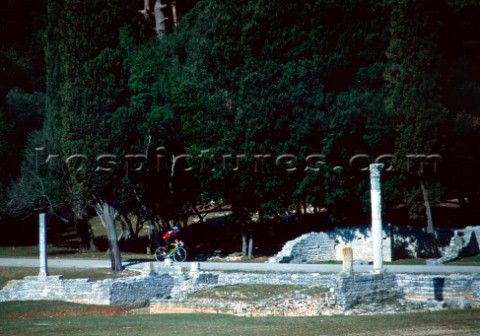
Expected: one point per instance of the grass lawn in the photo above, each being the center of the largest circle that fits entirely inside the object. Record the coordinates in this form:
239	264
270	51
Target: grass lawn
14	273
249	293
468	261
65	253
56	318
406	262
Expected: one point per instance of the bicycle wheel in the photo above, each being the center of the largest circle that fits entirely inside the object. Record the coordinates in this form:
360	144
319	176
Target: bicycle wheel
160	253
180	254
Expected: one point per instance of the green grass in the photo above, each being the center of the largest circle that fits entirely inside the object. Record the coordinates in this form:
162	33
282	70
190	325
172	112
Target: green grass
406	262
468	261
258	292
45	318
65	253
322	262
16	273
18	251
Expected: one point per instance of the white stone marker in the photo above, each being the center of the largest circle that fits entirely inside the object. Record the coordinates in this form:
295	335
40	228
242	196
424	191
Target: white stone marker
148	268
195	267
347	260
42	241
376	201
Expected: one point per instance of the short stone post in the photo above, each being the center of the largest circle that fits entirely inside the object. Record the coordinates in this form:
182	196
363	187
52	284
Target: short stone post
168	261
195	266
376	202
148	268
347	260
42	242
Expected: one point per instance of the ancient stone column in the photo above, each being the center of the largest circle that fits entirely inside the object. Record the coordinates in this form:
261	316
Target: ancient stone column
376	202
347	260
42	242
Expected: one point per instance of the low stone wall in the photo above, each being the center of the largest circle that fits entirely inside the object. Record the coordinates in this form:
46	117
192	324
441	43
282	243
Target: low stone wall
56	288
439	287
129	291
288	305
353	289
167	289
346	289
348	293
297	279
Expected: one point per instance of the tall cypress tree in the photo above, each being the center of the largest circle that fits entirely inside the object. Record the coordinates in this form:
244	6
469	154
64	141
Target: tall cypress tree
87	101
415	94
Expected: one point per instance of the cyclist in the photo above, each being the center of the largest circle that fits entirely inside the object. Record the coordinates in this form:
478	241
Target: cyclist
170	235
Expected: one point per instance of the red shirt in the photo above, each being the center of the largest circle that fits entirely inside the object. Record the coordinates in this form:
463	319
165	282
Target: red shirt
169	234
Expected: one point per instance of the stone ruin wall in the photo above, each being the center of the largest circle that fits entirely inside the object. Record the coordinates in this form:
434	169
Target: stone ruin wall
398	243
166	289
134	291
325	246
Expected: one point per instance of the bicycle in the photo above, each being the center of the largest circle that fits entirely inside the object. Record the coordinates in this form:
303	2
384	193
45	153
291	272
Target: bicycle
177	252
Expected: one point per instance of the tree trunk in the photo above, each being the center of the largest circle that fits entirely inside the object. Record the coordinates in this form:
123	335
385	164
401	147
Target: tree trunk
299	209
91	236
153	240
85	232
430	229
127	228
428	209
250	245
199	215
138	226
81	227
244	244
160	18
107	212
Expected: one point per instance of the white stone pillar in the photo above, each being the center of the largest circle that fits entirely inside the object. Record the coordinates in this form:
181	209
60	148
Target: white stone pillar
42	242
376	201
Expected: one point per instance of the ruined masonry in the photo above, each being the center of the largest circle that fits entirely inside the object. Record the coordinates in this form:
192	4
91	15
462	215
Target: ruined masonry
463	243
398	243
168	289
130	291
323	246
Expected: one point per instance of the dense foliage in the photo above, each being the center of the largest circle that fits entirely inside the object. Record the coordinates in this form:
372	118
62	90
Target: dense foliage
255	105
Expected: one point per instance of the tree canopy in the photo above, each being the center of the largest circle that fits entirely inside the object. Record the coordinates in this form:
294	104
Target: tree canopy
263	107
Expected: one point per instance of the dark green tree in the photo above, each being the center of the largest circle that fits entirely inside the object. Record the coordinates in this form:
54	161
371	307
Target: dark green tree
462	91
22	73
163	189
269	80
87	110
415	96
